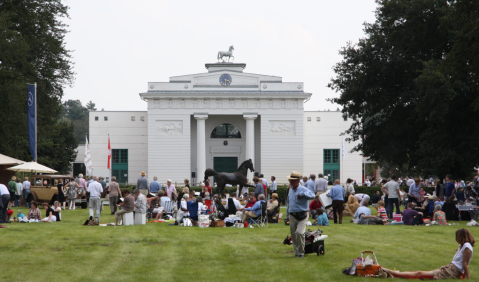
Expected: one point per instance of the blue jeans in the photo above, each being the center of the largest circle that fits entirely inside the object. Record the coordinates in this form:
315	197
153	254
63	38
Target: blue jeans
25	194
17	200
391	203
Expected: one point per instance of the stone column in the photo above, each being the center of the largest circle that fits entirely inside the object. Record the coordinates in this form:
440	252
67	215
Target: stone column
200	146
249	152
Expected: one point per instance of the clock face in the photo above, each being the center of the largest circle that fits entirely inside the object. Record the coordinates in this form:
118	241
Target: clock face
225	79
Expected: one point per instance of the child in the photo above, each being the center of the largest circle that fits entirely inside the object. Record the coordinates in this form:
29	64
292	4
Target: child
382	210
322	218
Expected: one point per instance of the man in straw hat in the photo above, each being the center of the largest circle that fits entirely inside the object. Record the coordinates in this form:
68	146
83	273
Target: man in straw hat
298	210
142	184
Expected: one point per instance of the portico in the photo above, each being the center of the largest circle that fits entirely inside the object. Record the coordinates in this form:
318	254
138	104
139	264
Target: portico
196	119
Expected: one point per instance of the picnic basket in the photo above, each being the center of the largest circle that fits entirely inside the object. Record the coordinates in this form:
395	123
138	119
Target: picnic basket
367	270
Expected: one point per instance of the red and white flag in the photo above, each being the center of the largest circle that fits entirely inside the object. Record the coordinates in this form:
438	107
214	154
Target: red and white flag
109	152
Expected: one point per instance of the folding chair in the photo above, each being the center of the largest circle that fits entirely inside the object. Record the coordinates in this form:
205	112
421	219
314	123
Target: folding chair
262	219
168	205
231	207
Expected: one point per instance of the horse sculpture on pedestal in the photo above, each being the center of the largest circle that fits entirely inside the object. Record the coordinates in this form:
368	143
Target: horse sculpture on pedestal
235	178
228	54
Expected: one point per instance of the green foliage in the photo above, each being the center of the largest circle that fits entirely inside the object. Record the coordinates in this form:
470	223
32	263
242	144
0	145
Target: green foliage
78	115
412	84
32	50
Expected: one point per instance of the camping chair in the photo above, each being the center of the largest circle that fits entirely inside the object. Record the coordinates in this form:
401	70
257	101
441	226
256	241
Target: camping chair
262	219
192	207
231	207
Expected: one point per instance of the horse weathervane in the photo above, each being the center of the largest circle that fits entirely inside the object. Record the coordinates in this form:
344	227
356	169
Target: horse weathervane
229	54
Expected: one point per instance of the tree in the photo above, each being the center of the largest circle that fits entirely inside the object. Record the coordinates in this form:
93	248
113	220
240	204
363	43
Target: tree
73	111
91	106
409	86
32	50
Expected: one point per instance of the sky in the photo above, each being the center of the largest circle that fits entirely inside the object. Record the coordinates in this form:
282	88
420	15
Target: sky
118	46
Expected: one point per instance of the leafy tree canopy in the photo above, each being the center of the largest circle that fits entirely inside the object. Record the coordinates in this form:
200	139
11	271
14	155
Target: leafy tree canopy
32	49
412	86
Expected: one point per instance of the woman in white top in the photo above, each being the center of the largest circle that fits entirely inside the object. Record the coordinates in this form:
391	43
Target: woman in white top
458	266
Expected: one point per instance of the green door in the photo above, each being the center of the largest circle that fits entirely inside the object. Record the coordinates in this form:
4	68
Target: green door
331	163
119	165
224	164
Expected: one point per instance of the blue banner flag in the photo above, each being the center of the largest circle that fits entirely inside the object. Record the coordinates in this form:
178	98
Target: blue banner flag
31	117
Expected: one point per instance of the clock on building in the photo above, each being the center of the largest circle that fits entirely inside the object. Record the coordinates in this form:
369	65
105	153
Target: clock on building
225	79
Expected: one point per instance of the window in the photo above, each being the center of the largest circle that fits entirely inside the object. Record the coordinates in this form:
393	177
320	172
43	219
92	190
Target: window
96	118
105	118
225	130
308	118
318	118
142	118
133	118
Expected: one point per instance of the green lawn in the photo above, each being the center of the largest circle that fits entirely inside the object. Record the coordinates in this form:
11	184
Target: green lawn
68	251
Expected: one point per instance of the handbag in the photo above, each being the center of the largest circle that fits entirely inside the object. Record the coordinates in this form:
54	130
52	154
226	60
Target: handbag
367	270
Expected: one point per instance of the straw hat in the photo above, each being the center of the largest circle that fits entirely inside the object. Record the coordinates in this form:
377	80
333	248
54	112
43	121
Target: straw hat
143	173
326	177
274	195
431	197
294	176
169	180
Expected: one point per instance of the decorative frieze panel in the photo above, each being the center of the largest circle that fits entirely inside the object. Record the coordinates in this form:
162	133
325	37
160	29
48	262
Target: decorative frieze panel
282	127
225	103
169	127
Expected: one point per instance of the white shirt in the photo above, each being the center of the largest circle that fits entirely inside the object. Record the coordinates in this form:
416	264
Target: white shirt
4	190
265	181
245	190
350	188
201	208
26	185
95	189
320	185
140	205
409	182
458	258
368	183
301	182
274	186
184	206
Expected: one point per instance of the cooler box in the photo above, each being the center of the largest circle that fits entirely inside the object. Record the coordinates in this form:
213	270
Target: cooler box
397	217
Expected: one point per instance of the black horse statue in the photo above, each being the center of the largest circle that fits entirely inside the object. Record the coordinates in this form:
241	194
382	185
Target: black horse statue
235	178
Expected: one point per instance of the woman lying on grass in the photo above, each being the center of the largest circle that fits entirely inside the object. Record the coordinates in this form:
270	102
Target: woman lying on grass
458	266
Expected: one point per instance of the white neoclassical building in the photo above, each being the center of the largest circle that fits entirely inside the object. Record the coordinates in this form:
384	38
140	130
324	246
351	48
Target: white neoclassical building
218	119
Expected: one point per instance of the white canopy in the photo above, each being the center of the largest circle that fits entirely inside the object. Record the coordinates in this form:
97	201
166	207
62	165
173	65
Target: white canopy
32	166
6	160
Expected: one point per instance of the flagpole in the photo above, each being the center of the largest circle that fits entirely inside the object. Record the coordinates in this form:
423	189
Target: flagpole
36	130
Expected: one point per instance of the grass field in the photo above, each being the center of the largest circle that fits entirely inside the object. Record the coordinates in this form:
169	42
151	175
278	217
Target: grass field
68	251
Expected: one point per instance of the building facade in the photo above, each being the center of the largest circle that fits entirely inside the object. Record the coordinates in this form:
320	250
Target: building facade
218	119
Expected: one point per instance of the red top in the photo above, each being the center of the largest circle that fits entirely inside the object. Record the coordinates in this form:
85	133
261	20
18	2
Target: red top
209	189
250	204
315	205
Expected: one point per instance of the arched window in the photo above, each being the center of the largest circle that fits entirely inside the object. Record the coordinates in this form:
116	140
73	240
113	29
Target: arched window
225	130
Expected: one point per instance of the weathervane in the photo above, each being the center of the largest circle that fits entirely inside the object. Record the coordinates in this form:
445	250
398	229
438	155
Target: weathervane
228	54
